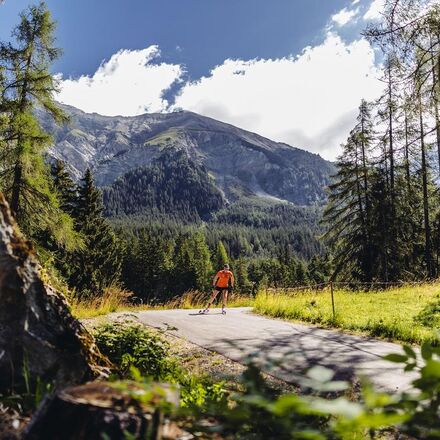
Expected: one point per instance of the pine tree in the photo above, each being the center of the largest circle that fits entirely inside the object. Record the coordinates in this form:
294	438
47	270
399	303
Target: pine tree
154	265
65	187
348	213
28	84
192	264
425	177
241	274
98	263
221	256
301	274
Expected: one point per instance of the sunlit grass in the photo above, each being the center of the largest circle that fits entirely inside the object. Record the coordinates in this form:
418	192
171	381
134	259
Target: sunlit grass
388	313
117	300
112	300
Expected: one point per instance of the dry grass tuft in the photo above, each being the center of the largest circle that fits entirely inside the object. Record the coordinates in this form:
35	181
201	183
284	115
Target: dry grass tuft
113	299
116	299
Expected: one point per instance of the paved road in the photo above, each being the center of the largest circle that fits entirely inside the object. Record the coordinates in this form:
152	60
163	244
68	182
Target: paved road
281	348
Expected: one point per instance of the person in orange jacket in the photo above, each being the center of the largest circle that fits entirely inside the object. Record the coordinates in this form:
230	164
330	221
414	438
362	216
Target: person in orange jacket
223	282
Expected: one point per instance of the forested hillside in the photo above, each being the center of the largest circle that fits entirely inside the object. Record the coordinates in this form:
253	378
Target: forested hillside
173	184
239	163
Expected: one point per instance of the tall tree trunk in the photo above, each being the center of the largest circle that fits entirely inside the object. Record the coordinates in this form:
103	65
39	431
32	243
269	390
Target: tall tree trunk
436	103
391	133
394	218
364	173
16	188
428	251
17	182
407	170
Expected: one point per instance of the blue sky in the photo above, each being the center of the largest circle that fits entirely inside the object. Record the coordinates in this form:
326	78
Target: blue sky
213	57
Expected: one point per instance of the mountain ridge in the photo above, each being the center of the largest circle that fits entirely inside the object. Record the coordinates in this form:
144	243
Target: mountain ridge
237	162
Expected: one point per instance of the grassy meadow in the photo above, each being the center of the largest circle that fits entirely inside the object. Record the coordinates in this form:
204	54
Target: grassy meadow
407	314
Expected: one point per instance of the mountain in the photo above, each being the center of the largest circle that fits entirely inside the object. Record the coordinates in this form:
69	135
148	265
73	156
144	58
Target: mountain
184	161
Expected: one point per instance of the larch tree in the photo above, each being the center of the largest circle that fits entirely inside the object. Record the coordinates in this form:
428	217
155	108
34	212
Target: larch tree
27	85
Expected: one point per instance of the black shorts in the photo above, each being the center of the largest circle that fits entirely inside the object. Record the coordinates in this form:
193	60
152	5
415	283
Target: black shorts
221	289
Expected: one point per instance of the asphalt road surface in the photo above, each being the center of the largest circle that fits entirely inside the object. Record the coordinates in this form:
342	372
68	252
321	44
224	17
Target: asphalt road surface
284	349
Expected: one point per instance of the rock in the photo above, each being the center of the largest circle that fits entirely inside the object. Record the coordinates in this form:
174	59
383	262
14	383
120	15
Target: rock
39	337
100	410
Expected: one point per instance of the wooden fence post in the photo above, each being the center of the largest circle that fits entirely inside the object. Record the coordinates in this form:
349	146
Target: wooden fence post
333	300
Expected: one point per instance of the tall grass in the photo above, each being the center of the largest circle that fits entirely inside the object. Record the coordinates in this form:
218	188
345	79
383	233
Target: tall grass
116	299
196	299
111	300
392	313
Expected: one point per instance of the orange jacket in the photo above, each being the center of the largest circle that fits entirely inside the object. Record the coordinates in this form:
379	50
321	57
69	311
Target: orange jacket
223	277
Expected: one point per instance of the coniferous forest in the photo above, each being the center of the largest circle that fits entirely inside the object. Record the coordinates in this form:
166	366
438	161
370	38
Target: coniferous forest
381	223
382	219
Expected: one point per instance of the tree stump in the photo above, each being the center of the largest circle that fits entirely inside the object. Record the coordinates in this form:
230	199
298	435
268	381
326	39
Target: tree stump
39	337
100	411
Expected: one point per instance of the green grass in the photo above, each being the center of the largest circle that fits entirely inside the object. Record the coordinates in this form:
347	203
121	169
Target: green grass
393	314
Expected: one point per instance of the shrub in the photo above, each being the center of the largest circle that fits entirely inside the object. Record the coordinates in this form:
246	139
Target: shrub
142	355
430	315
135	346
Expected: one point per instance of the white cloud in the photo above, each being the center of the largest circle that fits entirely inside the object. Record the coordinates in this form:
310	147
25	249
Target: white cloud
375	10
127	84
344	16
309	101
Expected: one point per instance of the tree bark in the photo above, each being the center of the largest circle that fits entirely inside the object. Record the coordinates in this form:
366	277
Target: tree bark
99	410
427	227
407	170
39	338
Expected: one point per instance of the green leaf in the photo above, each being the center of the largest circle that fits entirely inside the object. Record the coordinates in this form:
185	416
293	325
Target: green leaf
426	351
333	386
431	369
286	404
381	420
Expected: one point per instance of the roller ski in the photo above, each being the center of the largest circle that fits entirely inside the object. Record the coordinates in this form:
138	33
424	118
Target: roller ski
203	311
